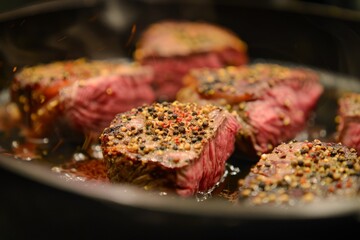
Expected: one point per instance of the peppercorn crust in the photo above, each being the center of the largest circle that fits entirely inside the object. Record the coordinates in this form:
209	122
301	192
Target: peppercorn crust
65	94
302	172
35	86
156	132
156	145
244	83
273	102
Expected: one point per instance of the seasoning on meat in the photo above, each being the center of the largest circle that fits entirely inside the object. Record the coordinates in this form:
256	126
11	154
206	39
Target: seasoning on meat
170	146
172	48
302	172
273	102
81	94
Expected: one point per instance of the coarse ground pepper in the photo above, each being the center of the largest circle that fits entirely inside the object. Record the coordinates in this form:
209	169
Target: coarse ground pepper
151	130
302	172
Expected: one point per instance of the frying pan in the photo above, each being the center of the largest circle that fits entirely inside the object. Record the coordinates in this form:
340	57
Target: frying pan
36	202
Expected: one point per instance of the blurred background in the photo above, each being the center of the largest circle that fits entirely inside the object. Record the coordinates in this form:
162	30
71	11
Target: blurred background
349	4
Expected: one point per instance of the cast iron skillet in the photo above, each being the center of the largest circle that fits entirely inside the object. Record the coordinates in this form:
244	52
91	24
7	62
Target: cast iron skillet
323	38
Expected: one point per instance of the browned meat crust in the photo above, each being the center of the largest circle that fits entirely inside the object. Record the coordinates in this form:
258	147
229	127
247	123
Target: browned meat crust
302	172
273	102
170	146
81	95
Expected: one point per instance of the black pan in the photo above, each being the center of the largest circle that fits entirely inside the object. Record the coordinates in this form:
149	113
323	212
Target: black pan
36	201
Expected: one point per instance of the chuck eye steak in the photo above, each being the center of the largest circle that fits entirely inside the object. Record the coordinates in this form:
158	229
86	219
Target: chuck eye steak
273	102
172	147
173	48
301	173
79	97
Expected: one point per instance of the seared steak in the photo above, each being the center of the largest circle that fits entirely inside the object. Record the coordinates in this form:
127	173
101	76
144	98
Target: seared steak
80	94
302	172
173	48
172	147
273	102
348	120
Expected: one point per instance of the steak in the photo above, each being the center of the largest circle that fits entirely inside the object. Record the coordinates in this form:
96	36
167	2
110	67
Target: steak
174	147
348	120
273	102
81	95
172	48
302	172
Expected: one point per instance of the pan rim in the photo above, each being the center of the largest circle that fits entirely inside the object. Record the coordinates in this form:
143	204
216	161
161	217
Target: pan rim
131	196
